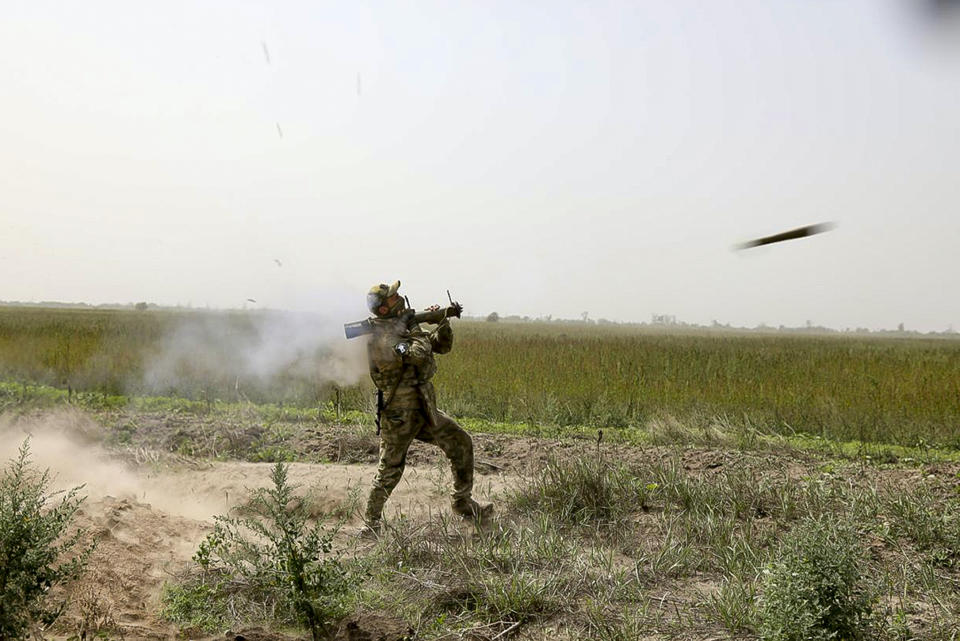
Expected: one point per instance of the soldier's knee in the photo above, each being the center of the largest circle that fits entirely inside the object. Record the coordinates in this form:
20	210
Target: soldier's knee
464	441
448	421
393	455
388	479
390	470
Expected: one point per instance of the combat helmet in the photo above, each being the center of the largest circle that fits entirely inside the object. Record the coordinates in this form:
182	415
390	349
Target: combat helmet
383	300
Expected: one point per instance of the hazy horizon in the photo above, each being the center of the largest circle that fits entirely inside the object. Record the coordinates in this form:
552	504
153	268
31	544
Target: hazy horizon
332	319
534	159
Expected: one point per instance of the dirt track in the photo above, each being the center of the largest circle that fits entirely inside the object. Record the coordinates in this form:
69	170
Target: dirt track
149	516
141	545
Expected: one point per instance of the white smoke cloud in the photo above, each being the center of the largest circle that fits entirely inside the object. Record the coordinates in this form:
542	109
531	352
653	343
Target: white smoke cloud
261	349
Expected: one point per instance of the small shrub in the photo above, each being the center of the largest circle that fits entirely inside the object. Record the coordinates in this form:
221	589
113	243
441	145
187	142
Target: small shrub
605	624
813	590
529	571
519	597
195	604
931	524
97	618
511	598
37	551
584	492
733	604
269	565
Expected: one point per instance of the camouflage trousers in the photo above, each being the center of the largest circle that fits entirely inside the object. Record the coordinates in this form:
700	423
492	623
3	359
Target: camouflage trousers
398	429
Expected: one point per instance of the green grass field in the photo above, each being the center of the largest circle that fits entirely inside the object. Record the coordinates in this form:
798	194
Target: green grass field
869	389
891	390
691	518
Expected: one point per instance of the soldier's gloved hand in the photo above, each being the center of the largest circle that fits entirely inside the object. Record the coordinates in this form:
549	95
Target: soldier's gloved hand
456	309
401	348
406	316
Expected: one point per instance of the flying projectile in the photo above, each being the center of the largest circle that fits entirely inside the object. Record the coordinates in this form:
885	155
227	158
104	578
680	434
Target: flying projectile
799	232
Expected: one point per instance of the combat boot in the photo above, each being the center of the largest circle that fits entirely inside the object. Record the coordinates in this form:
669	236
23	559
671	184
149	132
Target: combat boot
371	530
372	520
470	509
373	516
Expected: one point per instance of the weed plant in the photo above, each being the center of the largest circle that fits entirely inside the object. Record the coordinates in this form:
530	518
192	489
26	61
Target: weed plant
817	589
39	550
584	492
930	523
494	578
269	566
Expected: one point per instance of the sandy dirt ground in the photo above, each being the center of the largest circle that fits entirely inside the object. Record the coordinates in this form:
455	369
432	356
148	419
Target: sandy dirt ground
149	512
149	507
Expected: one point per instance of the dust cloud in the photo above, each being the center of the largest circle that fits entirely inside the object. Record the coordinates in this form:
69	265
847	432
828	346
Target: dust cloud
64	443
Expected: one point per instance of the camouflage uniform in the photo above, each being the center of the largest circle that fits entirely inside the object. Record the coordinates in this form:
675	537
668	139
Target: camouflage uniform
410	412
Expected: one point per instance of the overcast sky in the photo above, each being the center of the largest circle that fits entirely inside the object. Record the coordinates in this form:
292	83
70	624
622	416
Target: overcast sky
533	157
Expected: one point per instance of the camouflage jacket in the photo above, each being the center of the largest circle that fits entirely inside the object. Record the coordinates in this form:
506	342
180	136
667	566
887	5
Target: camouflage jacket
405	379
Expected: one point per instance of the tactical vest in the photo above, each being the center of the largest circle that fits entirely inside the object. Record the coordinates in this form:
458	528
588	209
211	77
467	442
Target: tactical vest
397	377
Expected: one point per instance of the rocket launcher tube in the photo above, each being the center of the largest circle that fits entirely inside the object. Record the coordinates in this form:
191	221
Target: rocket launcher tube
433	316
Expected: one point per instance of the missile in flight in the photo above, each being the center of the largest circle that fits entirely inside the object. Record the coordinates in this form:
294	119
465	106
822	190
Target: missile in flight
799	232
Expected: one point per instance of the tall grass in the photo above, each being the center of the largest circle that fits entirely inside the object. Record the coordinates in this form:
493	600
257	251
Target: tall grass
894	390
899	390
111	351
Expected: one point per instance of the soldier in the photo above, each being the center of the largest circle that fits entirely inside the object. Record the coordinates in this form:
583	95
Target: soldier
401	366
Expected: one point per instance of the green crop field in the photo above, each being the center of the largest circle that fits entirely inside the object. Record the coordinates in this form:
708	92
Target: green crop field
874	389
892	390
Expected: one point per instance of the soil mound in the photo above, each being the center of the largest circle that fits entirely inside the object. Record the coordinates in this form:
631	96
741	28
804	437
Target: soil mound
374	627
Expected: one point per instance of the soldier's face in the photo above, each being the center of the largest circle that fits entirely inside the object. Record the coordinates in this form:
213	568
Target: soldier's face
391	306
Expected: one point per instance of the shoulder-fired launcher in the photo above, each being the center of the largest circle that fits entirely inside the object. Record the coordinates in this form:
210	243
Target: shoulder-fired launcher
434	316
